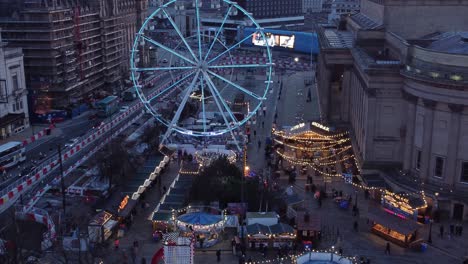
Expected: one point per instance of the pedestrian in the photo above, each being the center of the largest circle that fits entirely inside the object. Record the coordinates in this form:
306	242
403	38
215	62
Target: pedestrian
255	133
320	202
218	255
441	231
133	255
355	225
340	251
259	144
387	249
116	244
265	248
263	124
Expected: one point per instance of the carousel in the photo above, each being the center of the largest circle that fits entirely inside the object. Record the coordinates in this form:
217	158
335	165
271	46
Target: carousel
205	226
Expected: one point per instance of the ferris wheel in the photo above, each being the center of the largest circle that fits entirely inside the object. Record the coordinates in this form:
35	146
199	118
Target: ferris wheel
199	76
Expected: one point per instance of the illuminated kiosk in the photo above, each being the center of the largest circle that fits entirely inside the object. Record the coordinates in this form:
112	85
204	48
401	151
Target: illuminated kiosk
204	226
331	257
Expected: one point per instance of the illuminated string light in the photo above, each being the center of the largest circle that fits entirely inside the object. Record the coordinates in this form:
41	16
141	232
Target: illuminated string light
311	148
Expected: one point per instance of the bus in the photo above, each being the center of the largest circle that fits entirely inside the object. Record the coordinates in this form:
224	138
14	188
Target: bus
107	106
129	94
11	153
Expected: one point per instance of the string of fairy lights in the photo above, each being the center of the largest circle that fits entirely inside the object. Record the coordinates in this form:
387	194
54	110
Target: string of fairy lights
310	137
294	257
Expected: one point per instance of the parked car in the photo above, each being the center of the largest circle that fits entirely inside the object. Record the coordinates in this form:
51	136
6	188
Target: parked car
72	142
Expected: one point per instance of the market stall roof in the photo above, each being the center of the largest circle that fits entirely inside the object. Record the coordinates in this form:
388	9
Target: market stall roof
169	207
162	216
257	228
374	180
402	226
281	228
261	215
413	200
200	218
313	223
178	191
128	208
178	199
292	199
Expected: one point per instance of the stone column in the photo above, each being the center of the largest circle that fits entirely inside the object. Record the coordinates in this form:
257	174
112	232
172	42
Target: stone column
411	102
454	137
345	94
427	138
369	122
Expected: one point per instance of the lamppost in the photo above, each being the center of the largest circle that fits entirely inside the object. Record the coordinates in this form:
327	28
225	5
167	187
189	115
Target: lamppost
429	240
355	200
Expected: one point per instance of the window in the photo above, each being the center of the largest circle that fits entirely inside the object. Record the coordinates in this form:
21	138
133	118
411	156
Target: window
418	160
464	172
14	79
14	107
21	104
439	167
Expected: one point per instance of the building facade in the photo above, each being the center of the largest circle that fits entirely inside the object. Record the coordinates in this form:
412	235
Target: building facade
14	116
404	98
342	7
73	49
312	6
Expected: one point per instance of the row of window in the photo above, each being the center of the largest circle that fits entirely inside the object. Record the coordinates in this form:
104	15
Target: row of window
439	167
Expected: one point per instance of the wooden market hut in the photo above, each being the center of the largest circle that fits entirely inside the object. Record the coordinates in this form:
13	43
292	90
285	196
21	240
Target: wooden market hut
401	231
308	226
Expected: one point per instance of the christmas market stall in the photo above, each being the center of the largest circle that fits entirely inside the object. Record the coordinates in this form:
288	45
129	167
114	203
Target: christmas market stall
282	235
101	227
394	227
411	206
308	226
258	235
205	226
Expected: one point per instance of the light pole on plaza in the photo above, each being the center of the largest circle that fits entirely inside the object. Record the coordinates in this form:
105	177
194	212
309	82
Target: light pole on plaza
429	240
355	200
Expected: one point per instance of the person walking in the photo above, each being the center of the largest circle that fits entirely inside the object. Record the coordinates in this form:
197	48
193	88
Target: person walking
255	133
263	124
218	255
356	226
387	249
259	144
441	231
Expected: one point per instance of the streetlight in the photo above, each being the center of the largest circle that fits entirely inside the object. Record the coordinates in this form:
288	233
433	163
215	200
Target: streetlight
429	240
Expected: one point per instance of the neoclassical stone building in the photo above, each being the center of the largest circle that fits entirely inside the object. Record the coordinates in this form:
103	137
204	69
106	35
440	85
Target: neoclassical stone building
397	74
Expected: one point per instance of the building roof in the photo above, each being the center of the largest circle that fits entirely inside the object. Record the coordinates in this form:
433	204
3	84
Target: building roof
262	215
403	226
257	229
450	42
339	39
281	228
364	21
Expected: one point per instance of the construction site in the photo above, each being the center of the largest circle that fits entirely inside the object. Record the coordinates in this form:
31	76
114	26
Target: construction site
75	51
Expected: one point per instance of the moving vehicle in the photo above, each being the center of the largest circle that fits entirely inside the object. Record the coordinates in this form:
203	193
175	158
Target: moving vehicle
11	153
129	95
72	142
107	106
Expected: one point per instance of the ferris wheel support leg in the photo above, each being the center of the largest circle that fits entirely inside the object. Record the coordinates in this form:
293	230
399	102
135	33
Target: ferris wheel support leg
181	108
235	141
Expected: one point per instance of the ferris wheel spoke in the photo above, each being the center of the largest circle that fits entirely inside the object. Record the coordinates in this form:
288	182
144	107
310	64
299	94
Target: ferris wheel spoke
163	68
213	93
239	66
235	85
203	102
172	51
179	33
198	29
171	86
223	102
218	32
231	48
186	96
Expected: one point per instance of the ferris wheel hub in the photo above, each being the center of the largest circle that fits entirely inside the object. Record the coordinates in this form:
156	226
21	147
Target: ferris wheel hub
202	65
